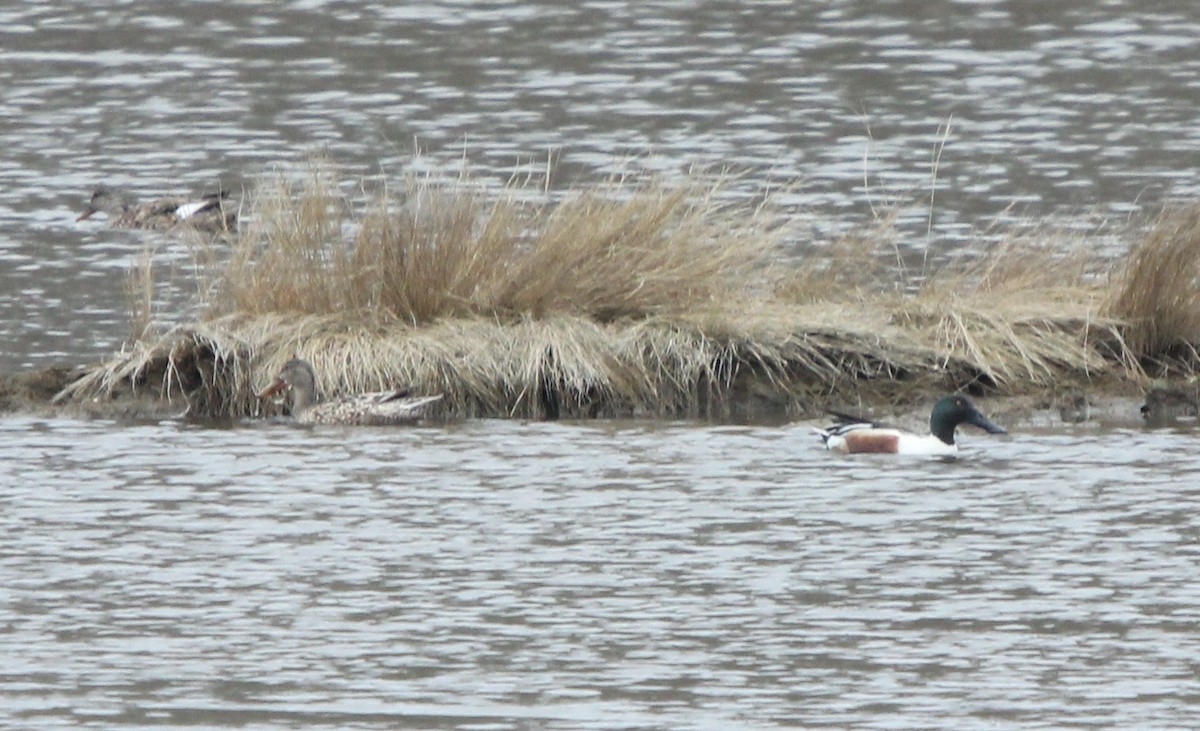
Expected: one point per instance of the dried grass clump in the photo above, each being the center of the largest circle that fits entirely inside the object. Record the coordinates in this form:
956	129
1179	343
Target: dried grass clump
644	299
556	366
1157	293
1026	313
1011	349
442	251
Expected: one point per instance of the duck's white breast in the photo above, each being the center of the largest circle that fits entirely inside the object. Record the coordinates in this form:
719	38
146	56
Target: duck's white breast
923	444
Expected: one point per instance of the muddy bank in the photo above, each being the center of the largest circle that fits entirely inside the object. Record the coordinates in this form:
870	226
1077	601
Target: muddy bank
34	391
647	302
748	398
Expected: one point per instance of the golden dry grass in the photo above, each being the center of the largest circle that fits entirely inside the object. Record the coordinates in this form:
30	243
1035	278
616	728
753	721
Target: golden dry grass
646	299
1028	311
139	295
1157	292
435	253
1025	314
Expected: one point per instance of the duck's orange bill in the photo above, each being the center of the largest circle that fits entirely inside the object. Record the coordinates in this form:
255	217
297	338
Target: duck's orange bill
86	214
276	386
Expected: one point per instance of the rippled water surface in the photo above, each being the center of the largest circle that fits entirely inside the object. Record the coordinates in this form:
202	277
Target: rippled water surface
503	575
562	576
1076	111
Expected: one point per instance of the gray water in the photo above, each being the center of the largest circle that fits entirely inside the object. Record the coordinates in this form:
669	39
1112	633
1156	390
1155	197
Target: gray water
504	575
1077	114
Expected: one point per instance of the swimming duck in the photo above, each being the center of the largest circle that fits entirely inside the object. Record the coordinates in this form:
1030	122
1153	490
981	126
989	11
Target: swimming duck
1168	403
852	434
372	409
1074	407
207	213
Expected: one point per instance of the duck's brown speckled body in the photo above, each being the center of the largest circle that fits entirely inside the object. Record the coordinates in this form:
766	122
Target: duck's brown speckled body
212	213
369	409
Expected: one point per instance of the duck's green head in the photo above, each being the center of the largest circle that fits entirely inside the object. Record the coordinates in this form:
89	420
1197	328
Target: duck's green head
950	411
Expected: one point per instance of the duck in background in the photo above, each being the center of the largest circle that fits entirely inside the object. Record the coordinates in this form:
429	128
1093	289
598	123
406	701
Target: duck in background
1167	403
1074	406
852	434
211	213
367	409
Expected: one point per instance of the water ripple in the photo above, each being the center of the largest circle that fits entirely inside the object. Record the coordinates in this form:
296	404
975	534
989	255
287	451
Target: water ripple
594	576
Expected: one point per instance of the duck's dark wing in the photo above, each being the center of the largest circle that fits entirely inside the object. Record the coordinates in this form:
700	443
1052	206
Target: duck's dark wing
841	429
841	418
398	393
161	207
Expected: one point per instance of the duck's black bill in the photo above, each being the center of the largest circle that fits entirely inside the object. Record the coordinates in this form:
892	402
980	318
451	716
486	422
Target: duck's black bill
989	426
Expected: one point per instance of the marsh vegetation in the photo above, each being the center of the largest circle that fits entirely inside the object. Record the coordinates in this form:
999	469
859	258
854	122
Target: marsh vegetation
647	298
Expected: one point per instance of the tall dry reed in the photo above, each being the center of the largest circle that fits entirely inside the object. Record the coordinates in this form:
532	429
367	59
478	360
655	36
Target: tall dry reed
643	298
1157	292
440	251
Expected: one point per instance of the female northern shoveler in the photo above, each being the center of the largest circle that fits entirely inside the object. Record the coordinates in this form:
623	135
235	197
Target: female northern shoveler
852	434
386	407
208	213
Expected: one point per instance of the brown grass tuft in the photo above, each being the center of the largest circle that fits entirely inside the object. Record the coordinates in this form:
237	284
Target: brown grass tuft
443	251
1157	293
139	295
645	299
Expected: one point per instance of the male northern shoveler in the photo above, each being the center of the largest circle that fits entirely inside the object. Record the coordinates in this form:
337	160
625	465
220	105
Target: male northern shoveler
210	212
372	409
852	434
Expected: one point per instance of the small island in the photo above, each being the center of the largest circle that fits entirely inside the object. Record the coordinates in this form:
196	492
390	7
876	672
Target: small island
637	299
